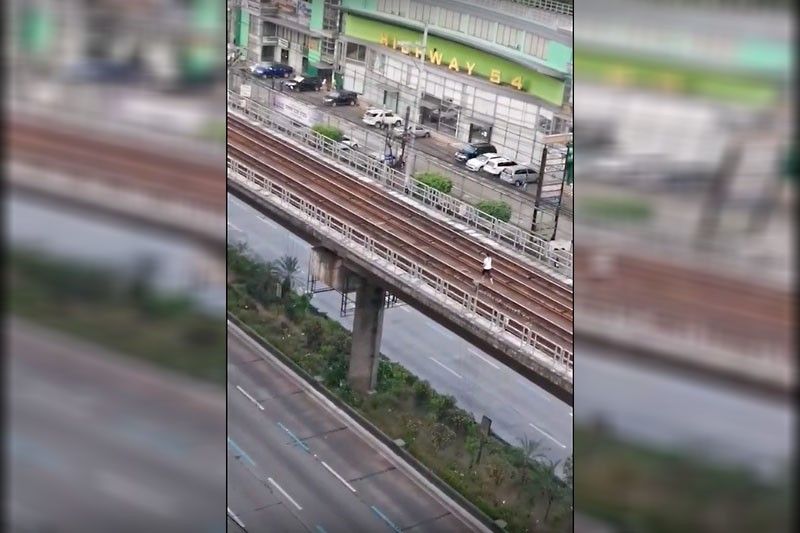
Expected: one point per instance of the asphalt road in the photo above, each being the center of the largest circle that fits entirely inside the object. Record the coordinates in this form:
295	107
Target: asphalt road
295	464
646	404
97	442
480	384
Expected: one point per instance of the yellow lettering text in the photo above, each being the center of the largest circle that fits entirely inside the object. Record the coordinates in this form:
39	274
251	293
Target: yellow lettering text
517	82
470	66
403	49
418	53
435	57
494	76
384	40
394	43
453	64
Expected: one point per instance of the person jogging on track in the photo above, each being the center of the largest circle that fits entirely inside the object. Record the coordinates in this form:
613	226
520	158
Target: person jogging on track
487	268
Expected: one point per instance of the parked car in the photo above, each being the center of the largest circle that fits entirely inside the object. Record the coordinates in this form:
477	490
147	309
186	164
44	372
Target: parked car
416	130
518	175
348	143
382	118
271	70
495	166
450	113
335	98
303	83
474	150
476	163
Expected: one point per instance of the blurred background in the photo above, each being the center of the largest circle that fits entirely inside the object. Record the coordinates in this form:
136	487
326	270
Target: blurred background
115	234
686	177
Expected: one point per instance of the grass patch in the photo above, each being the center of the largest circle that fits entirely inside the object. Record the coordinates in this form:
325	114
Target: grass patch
526	494
617	209
639	489
120	313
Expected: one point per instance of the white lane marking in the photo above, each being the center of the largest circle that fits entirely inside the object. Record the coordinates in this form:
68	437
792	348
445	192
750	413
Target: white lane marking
284	493
234	226
235	518
546	434
485	360
249	397
340	478
456	374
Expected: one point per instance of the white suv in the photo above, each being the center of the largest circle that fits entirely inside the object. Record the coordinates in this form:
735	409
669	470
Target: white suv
495	166
382	118
477	163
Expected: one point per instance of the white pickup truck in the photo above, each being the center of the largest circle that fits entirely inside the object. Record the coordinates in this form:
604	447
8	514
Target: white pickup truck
381	118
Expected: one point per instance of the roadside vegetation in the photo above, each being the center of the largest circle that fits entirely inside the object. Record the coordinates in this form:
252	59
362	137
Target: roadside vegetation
635	488
331	132
615	209
496	208
512	483
436	181
120	313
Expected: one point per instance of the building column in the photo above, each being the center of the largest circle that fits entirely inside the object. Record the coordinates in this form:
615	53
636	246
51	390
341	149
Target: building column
366	342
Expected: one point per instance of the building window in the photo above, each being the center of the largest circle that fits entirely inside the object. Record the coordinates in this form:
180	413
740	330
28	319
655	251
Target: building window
480	28
268	29
535	46
419	11
390	6
449	19
356	52
507	36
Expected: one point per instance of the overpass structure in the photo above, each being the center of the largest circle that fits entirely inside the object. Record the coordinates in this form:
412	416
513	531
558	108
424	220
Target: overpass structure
368	232
177	190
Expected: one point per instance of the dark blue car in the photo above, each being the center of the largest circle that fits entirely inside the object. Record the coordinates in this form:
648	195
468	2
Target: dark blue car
275	70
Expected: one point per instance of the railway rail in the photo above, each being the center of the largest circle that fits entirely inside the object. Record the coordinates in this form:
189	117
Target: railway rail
737	314
118	162
519	291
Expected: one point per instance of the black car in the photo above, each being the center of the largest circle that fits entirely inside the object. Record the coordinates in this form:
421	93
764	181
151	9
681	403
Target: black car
474	150
335	98
302	83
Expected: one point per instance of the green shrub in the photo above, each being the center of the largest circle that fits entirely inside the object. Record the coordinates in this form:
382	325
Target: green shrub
436	181
422	392
496	208
331	132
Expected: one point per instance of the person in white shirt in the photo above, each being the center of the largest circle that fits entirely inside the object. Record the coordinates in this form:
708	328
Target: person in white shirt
487	268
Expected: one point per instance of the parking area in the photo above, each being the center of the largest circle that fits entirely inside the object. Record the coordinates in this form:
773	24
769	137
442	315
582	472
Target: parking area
424	154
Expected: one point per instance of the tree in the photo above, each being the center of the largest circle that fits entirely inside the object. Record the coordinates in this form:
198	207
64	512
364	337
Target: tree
288	269
529	448
550	485
497	473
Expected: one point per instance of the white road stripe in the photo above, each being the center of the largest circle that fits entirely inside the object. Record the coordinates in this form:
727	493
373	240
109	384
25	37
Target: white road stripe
446	368
249	397
234	226
284	493
546	434
485	360
340	478
235	518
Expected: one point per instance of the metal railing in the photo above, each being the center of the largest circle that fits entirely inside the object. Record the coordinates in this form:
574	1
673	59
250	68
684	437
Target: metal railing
519	336
534	248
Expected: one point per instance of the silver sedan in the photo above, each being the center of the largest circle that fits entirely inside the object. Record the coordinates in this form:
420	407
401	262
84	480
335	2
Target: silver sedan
416	130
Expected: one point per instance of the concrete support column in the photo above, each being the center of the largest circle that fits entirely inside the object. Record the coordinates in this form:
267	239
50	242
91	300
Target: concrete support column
367	330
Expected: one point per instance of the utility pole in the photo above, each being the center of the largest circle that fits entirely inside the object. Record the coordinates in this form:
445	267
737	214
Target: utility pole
405	136
566	176
417	96
718	192
539	189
